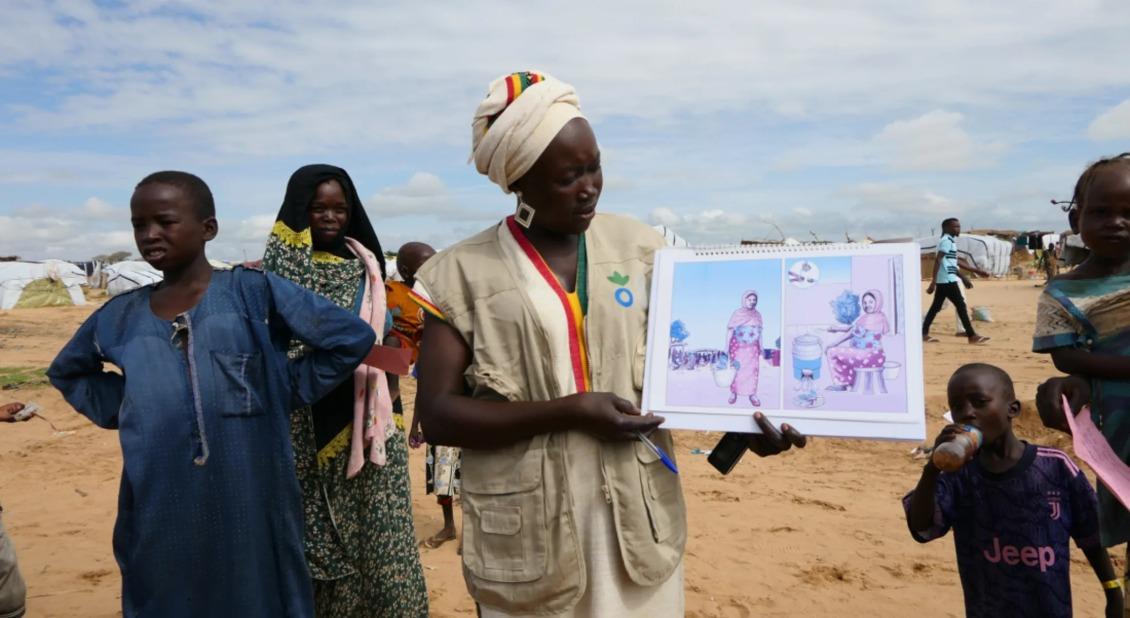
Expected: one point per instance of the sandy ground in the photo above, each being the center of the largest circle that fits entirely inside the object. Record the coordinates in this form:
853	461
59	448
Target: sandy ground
818	532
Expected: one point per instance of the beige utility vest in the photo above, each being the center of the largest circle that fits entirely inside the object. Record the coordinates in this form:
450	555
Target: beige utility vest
521	550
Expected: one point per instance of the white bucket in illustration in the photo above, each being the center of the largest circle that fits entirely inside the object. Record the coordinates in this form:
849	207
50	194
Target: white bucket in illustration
891	370
724	377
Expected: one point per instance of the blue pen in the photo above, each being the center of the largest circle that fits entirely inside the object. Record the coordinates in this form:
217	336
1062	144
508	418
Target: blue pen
658	453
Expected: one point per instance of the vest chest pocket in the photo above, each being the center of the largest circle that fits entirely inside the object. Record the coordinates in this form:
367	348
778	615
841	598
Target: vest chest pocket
236	375
504	518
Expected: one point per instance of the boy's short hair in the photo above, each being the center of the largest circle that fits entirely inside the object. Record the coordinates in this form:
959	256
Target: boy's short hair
196	189
1000	374
949	221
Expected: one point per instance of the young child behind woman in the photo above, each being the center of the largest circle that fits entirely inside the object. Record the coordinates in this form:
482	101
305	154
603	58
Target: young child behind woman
441	466
1012	507
1083	317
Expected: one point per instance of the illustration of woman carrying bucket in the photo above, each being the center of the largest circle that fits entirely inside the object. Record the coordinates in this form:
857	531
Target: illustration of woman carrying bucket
744	336
864	339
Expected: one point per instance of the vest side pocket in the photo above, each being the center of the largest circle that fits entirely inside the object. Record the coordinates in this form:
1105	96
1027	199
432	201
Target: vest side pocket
504	514
661	490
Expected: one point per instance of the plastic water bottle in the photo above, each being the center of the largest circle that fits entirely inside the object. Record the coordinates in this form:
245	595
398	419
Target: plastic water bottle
952	455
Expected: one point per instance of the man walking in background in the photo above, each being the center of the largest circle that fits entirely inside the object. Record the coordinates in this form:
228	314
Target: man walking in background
944	283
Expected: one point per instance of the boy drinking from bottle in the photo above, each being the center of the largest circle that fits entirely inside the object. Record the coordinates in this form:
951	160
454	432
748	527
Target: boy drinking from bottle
1012	506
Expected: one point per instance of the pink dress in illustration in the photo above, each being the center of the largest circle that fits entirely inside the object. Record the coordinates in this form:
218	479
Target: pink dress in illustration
862	347
744	334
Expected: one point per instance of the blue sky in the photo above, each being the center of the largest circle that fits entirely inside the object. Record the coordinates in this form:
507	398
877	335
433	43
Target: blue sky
708	293
723	120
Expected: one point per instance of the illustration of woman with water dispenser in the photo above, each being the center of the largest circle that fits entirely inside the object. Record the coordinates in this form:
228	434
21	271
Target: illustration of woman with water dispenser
862	345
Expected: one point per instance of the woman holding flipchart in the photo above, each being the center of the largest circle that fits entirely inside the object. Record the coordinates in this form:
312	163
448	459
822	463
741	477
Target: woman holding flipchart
532	361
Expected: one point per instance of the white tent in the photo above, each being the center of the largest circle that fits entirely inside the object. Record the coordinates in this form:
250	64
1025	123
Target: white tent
673	239
41	284
126	276
985	252
392	274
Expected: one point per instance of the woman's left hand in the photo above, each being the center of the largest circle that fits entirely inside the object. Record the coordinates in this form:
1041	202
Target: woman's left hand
773	441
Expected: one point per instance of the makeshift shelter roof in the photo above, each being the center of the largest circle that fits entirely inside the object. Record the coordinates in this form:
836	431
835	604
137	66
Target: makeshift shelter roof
125	276
52	283
129	275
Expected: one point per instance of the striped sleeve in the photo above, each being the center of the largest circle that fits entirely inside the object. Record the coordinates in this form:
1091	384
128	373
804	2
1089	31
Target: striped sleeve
1055	326
1081	499
419	295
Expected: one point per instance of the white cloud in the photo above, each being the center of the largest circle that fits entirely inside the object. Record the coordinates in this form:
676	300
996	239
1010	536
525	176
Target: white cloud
875	209
691	107
1114	123
665	216
888	198
934	141
713	225
98	208
95	227
424	195
301	78
35	166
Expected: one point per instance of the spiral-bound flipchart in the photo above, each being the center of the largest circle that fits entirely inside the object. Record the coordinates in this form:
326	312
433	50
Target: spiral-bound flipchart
824	337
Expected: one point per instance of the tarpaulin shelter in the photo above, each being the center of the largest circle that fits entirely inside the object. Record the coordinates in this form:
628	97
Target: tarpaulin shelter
125	276
130	275
52	283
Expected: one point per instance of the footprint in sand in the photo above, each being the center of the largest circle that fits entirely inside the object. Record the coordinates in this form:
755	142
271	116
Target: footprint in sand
831	573
96	576
738	608
713	495
820	503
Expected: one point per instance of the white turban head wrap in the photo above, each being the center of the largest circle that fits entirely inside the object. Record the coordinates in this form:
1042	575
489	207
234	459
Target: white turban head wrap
517	120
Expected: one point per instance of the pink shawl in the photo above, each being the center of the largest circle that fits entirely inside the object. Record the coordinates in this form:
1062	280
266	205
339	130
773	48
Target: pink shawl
372	405
875	321
744	316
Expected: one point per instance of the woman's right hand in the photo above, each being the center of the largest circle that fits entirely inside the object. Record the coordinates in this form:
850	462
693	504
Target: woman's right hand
610	417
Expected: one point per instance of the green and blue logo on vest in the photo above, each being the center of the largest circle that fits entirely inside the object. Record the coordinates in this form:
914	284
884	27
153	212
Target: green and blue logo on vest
623	295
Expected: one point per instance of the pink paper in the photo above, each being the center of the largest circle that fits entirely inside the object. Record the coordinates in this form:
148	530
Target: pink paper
1092	447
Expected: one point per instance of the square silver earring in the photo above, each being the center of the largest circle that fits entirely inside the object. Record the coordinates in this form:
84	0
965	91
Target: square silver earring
525	214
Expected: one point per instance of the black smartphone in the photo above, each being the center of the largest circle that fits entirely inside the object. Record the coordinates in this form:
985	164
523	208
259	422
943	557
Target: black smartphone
728	452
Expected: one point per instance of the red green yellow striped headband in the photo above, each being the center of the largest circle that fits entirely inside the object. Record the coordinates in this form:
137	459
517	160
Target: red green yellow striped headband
516	84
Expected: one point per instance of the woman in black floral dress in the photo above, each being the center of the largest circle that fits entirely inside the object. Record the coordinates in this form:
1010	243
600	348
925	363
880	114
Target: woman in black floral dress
360	541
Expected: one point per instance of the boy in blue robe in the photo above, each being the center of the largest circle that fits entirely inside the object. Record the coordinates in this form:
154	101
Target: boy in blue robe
209	510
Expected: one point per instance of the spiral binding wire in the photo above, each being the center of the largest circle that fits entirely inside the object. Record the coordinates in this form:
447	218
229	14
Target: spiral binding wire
716	250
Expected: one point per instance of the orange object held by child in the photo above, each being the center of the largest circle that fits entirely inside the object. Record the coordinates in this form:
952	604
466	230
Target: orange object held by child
951	456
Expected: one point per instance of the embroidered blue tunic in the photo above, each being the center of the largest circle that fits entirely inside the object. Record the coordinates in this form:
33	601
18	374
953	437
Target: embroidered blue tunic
209	509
